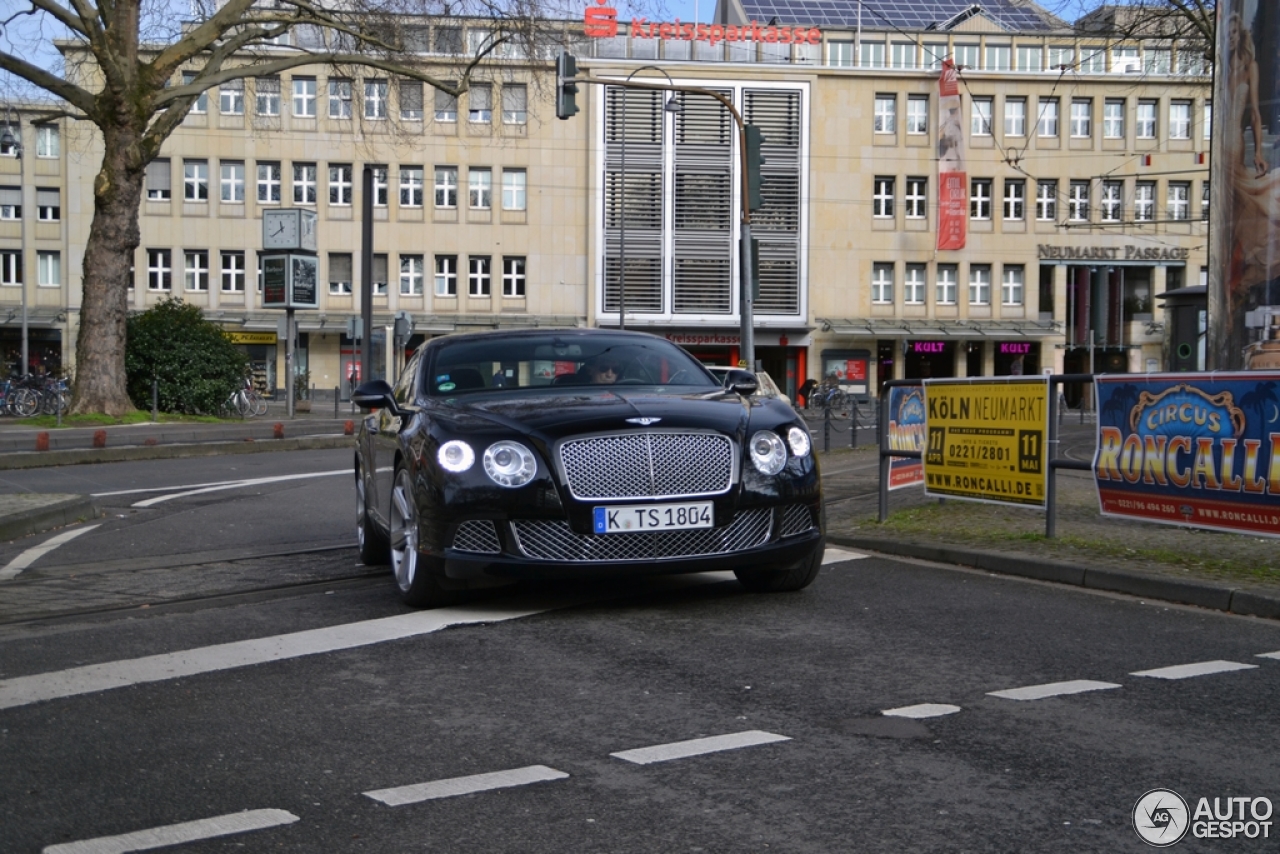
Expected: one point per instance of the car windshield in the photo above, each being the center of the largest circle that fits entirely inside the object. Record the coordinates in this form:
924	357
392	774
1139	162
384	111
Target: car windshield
492	362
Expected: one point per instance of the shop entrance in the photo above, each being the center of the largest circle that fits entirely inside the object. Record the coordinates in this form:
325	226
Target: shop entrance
930	359
1015	358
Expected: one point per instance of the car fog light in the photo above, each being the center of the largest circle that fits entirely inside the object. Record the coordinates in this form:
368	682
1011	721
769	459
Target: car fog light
768	452
798	439
455	456
510	464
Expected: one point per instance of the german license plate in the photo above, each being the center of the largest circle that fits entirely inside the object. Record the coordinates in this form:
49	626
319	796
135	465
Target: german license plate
631	518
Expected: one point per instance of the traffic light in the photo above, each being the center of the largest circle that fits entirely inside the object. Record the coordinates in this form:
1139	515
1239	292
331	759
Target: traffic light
403	327
755	140
566	89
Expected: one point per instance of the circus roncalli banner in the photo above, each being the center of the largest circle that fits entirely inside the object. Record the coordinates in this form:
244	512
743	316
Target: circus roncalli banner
906	433
1201	450
953	180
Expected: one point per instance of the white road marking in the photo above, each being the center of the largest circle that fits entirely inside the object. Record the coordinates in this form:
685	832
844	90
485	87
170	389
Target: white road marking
1187	671
924	710
465	785
34	553
697	747
236	484
177	834
1275	655
1052	689
839	556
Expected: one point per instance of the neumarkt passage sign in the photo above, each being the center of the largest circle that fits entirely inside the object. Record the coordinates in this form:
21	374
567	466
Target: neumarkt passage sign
986	439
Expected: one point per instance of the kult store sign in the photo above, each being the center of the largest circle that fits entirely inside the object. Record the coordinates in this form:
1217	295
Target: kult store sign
601	22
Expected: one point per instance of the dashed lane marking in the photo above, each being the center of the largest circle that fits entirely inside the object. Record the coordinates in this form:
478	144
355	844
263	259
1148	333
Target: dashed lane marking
1275	655
1052	689
34	553
1187	671
923	710
177	834
840	555
697	747
465	785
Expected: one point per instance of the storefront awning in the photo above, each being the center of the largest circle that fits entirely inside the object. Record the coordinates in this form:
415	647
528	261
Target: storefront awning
893	327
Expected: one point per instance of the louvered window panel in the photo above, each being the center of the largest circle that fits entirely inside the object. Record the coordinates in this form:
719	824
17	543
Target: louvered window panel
777	225
703	209
633	208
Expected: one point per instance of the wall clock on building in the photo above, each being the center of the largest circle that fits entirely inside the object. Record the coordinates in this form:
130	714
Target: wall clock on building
289	229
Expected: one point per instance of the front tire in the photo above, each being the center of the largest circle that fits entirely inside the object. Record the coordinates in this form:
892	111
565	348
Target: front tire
375	547
419	588
767	580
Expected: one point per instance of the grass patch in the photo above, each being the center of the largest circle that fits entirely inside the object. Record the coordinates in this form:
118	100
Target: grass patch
50	422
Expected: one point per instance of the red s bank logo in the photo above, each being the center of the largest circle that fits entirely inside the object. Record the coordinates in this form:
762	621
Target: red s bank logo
600	23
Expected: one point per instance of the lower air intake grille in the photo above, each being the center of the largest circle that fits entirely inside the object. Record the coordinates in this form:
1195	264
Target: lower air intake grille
478	535
557	541
796	519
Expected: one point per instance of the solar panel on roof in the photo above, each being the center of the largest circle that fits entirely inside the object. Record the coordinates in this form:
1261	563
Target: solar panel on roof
889	14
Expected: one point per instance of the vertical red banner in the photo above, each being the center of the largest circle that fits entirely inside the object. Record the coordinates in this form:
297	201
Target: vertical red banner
953	179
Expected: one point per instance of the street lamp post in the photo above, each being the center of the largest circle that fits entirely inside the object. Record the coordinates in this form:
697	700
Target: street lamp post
7	139
671	106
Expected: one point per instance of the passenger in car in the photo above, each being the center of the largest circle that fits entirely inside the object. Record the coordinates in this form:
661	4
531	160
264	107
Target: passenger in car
604	370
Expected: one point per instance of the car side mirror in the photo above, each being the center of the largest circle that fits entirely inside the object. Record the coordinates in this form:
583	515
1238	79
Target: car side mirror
742	382
375	394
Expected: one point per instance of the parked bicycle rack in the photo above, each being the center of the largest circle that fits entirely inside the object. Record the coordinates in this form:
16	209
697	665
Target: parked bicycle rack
830	424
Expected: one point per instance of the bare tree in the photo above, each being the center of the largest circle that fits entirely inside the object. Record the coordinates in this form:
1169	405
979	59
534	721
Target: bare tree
123	71
1185	20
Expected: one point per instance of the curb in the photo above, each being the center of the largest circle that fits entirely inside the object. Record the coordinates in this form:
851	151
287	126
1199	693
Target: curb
77	508
126	453
1219	597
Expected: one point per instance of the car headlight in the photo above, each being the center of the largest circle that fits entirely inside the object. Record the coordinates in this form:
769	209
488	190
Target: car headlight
768	452
510	464
798	439
455	456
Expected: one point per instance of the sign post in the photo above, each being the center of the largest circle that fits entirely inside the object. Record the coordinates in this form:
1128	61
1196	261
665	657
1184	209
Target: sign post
289	279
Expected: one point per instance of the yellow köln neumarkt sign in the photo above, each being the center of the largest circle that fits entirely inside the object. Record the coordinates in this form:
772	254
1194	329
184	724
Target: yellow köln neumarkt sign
985	439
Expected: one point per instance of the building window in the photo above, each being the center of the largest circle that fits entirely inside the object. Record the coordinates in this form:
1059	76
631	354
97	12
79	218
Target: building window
840	54
1144	201
1047	122
999	57
967	56
268	96
340	184
480	189
1093	59
1081	120
340	98
381	191
304	97
48	204
412	275
513	277
1125	60
1113	118
1204	201
980	198
882	198
159	270
1157	60
231	184
1111	206
446	275
886	115
340	273
872	55
159	180
882	283
1208	119
11	203
375	99
304	183
1011	286
514	189
195	180
916	199
1029	58
917	115
231	98
1046	201
980	118
1015	199
1015	116
979	284
479	276
10	269
200	105
945	288
1078	202
1179	200
49	269
1146	120
446	186
196	270
380	274
446	107
1061	58
411	187
269	183
411	100
902	55
515	104
480	103
1180	120
232	272
913	285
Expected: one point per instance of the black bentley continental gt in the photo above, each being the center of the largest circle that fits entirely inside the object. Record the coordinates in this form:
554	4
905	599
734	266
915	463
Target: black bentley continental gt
579	453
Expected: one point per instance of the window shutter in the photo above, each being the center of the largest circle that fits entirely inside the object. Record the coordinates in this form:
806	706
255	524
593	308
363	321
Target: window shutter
159	175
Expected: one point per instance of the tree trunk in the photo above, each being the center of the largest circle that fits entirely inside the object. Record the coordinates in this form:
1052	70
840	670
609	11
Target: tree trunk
100	381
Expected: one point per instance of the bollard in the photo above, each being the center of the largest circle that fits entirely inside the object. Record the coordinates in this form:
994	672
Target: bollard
99	438
337	393
277	431
155	399
349	429
826	429
853	425
42	441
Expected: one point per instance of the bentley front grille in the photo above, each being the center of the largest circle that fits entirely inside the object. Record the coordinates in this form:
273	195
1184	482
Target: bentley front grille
555	540
648	465
796	519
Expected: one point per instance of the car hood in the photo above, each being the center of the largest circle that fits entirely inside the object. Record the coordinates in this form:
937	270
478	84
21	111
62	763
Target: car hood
555	416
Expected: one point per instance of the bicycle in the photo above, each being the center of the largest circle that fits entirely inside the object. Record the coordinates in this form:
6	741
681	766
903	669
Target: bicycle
246	401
